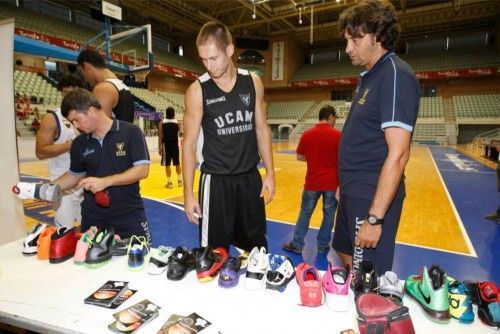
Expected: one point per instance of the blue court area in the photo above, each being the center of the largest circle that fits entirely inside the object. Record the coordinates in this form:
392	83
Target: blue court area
471	186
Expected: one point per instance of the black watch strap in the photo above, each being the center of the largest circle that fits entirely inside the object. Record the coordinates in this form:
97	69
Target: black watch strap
374	220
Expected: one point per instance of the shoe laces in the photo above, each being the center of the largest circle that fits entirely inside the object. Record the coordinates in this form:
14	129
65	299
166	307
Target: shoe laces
437	276
138	244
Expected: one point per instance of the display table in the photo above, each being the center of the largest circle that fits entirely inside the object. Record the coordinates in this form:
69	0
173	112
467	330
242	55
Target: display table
48	298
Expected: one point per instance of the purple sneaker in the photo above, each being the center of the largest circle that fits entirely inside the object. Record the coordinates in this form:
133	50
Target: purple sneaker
230	272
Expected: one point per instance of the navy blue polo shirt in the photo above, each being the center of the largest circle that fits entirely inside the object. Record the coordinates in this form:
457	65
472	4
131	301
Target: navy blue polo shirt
122	147
386	96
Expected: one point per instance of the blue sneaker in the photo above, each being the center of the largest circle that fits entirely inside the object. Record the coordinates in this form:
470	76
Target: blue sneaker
138	250
460	301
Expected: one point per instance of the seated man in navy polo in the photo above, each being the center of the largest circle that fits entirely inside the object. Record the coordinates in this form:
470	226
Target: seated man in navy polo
111	156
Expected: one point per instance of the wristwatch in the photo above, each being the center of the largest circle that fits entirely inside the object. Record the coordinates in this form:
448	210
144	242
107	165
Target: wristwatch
374	220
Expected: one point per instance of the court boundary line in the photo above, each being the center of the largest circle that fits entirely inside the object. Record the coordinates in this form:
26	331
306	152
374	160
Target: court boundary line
468	242
317	228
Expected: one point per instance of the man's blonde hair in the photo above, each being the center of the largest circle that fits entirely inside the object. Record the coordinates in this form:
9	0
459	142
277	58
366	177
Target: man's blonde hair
216	31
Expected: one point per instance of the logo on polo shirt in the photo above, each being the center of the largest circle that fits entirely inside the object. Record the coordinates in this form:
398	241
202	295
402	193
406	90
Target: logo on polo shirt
363	98
119	150
88	151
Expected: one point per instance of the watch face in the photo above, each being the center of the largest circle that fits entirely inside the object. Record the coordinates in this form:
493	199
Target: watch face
372	220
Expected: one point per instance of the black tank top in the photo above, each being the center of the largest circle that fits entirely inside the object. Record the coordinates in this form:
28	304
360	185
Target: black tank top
228	141
124	109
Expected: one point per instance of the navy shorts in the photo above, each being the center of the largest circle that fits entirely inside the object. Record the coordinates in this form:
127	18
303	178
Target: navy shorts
232	211
350	215
133	223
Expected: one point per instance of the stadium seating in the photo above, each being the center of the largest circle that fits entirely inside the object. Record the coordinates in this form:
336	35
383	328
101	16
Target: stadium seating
476	106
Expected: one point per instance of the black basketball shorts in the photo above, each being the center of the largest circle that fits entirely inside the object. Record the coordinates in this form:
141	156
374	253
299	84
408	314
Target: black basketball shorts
232	211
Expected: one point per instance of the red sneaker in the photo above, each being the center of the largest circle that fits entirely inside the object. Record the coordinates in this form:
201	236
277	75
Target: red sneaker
308	279
62	245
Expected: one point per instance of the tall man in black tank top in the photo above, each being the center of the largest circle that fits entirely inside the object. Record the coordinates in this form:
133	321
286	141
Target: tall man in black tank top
225	117
113	95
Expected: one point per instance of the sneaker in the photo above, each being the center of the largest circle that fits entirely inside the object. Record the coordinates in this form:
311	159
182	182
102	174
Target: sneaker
230	272
308	279
336	282
209	262
62	244
366	278
159	260
255	277
487	298
279	273
119	246
494	216
138	250
430	291
391	287
181	262
169	185
43	243
99	252
289	246
460	301
31	240
83	244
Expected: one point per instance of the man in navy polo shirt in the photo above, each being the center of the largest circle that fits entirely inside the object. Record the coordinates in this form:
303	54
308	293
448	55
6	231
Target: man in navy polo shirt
109	155
375	145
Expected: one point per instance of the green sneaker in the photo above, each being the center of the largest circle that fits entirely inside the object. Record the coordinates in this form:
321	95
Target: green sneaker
430	291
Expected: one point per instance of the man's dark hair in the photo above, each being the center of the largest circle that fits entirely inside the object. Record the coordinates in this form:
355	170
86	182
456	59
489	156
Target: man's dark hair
170	113
92	57
70	80
325	112
79	100
376	17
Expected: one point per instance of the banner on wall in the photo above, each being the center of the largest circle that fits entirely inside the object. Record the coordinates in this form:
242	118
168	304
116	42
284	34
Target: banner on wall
277	64
460	73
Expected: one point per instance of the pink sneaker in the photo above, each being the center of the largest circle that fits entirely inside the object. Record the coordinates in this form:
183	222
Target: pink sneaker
336	282
83	244
311	293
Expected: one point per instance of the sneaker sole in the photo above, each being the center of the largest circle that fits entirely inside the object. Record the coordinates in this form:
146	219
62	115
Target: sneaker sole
441	317
61	259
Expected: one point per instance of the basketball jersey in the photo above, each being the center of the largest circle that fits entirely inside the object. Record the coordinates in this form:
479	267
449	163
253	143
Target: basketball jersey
228	141
124	109
170	131
66	132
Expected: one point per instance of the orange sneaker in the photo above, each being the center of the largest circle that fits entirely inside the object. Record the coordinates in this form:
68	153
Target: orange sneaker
44	243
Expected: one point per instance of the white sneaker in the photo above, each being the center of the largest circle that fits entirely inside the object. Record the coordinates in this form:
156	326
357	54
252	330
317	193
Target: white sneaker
255	278
30	242
159	260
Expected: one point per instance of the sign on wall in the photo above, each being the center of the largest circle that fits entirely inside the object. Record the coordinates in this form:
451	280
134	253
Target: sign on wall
277	65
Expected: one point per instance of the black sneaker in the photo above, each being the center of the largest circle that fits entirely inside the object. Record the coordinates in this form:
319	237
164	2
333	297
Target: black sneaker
366	278
120	247
181	262
289	246
100	249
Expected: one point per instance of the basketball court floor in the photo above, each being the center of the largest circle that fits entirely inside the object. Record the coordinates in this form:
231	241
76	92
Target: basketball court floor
448	193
